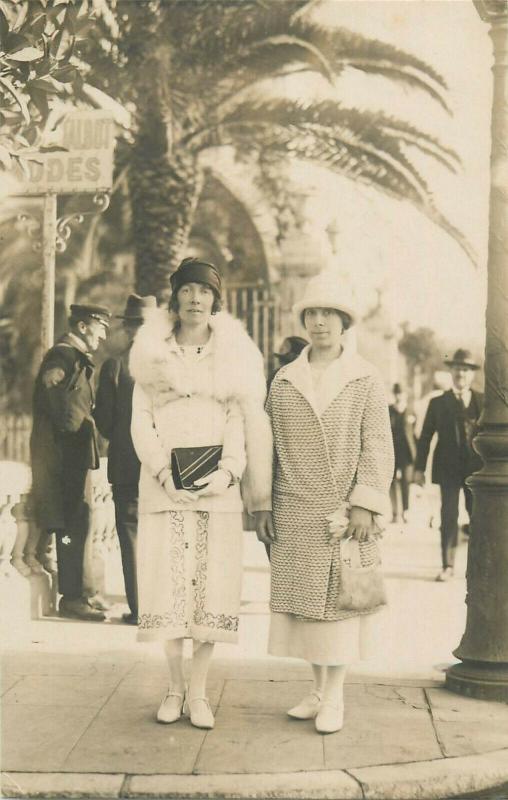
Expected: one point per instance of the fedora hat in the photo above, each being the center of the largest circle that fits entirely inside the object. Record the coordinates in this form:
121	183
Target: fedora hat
136	307
324	291
462	358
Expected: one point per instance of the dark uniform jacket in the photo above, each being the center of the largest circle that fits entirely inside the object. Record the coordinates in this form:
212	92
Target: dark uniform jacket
404	442
113	412
454	457
63	440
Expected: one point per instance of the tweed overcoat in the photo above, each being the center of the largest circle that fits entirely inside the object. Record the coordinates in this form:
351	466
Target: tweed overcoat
63	442
328	449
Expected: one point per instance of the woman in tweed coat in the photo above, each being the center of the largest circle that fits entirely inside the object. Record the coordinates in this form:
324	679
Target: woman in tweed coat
333	444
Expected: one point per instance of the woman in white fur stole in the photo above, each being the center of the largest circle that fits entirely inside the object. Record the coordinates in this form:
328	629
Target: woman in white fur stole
199	382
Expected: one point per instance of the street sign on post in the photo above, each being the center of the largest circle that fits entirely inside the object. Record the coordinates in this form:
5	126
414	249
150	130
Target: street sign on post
79	161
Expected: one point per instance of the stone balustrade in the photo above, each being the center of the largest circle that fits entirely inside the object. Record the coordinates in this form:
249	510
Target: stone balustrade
28	579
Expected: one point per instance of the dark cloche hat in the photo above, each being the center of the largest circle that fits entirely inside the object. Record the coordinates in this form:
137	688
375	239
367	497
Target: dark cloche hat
291	347
137	306
84	313
194	270
462	358
397	388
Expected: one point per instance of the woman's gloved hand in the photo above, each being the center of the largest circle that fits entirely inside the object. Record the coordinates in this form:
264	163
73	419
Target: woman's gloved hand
176	495
215	483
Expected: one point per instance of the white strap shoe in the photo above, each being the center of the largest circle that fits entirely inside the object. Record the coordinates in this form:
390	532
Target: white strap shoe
306	708
199	711
330	718
170	710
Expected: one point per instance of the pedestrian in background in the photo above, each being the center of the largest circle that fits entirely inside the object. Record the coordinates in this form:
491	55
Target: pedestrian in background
453	418
63	447
199	383
290	348
333	446
402	423
113	414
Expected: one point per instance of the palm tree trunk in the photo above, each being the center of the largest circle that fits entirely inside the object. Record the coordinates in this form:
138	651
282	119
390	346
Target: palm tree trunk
164	191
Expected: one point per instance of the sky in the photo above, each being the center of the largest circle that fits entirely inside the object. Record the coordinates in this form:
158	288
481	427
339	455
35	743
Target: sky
425	276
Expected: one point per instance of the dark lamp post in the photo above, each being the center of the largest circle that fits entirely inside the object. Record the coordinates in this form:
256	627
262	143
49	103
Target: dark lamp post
483	650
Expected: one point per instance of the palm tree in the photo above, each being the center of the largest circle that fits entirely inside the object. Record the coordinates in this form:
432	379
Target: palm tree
195	71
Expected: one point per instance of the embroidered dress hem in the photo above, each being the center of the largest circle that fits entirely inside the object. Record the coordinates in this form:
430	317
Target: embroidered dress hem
321	642
197	632
189	575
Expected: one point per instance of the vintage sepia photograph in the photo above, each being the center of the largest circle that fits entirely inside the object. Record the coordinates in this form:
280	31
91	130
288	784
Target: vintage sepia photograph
254	399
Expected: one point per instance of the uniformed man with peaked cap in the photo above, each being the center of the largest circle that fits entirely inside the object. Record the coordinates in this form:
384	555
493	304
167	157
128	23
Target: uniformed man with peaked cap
64	448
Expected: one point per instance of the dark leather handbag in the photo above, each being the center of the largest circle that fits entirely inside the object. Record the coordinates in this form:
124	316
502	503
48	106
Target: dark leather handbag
189	464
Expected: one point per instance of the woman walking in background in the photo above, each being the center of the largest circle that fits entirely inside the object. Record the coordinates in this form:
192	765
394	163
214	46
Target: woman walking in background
199	384
333	445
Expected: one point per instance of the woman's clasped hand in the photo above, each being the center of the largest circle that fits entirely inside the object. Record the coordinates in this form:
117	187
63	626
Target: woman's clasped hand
357	523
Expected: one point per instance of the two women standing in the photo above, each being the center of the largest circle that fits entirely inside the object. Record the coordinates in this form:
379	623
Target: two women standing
200	384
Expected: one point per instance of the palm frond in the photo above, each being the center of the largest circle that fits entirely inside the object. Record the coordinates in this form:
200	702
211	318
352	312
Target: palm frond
329	115
362	146
224	38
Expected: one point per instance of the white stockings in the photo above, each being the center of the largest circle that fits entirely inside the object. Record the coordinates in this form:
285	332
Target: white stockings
201	657
329	682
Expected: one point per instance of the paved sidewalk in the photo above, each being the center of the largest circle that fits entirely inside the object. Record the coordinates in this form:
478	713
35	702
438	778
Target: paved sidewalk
79	708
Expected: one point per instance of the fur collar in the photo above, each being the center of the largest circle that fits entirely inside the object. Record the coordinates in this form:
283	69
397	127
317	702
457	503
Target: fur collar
237	364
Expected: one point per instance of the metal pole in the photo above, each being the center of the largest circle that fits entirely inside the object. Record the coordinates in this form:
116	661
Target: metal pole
48	278
483	650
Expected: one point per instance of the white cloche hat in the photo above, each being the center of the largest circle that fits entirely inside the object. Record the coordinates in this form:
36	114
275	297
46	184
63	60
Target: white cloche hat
324	291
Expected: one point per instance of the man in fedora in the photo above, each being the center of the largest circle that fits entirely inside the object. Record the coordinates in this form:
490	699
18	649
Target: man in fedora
113	411
453	416
63	448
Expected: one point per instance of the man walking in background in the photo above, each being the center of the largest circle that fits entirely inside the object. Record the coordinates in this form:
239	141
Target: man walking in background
453	416
404	444
63	448
113	413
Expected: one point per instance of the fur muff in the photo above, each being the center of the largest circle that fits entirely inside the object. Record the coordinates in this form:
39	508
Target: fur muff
238	375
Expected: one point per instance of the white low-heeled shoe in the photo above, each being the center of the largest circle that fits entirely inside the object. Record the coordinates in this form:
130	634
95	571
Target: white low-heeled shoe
199	712
170	710
330	717
306	708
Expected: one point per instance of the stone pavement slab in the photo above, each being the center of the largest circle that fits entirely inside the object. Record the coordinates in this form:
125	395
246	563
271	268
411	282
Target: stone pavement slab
383	725
434	780
125	736
64	690
28	784
249	741
37	738
466	726
304	785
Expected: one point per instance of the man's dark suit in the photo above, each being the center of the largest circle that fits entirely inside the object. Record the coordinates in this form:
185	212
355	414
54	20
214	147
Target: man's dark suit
454	458
113	412
63	448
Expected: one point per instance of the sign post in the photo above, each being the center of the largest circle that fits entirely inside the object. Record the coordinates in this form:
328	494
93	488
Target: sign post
48	276
80	161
